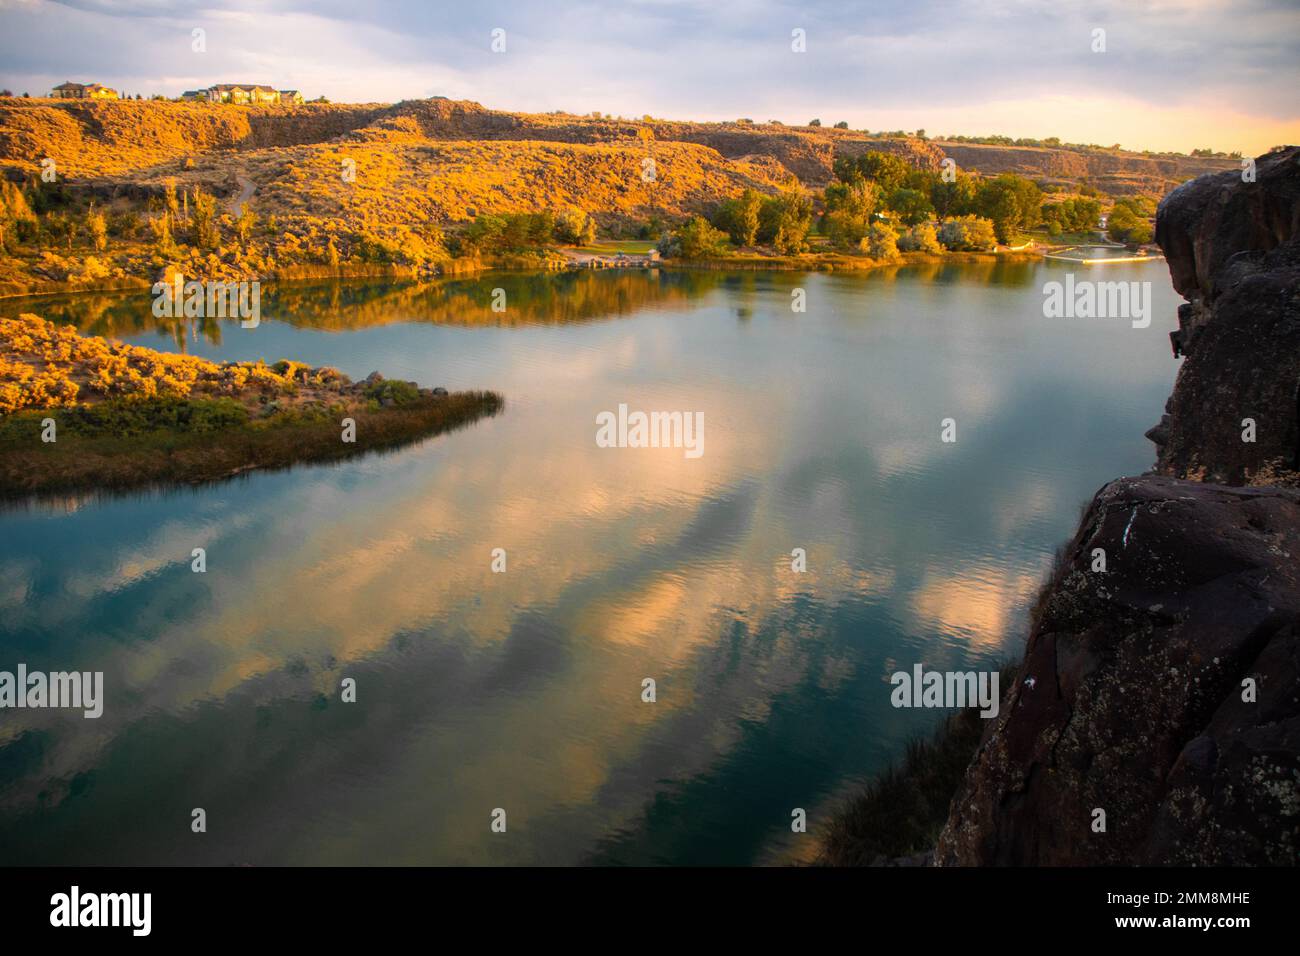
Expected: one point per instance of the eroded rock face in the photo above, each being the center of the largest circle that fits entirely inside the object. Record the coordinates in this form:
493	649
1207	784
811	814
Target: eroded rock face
1234	253
1129	699
1162	690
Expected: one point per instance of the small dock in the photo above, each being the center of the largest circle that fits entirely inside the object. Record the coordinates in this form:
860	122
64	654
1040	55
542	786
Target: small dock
1061	255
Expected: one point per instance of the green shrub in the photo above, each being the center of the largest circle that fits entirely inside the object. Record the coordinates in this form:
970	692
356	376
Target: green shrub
881	242
967	233
396	391
126	417
920	238
696	239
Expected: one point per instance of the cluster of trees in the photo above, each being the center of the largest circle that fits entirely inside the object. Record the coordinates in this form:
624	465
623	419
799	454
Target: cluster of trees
781	221
192	215
522	231
45	216
1071	215
1129	220
997	140
877	182
967	233
880	204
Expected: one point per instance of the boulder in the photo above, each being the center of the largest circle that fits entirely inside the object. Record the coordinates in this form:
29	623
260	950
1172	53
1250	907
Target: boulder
1130	696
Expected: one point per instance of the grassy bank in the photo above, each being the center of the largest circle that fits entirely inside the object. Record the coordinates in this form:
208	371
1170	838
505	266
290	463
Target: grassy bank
119	446
84	413
900	812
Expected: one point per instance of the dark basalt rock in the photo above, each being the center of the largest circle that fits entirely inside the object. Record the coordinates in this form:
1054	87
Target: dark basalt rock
1136	701
1130	696
1233	249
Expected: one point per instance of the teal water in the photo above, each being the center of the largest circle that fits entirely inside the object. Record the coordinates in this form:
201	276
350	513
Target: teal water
523	690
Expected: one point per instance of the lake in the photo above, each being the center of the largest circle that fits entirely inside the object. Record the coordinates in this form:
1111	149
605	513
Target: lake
523	690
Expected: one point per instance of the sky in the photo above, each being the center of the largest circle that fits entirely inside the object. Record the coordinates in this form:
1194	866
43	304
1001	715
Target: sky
1173	75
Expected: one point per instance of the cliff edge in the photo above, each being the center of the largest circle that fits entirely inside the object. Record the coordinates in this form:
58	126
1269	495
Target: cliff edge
1233	249
1155	718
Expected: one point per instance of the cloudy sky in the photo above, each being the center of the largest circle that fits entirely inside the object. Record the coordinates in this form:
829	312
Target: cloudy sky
1175	74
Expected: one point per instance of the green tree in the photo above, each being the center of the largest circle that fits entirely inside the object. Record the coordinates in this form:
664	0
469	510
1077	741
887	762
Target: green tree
164	243
170	203
512	232
967	233
920	238
1012	202
245	223
57	227
1124	225
485	233
97	230
881	242
849	208
738	217
956	198
1087	212
784	221
574	227
911	205
886	170
203	220
695	239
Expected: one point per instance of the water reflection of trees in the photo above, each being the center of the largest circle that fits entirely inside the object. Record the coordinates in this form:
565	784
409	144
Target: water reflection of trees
542	298
530	299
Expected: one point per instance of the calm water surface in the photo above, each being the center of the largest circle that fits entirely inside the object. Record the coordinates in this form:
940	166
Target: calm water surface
522	690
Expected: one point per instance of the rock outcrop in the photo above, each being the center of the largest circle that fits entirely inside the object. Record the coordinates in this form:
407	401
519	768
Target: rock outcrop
1155	718
1234	253
1130	696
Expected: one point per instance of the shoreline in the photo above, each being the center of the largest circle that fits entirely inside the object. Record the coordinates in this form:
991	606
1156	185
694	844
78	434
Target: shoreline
172	457
84	413
815	262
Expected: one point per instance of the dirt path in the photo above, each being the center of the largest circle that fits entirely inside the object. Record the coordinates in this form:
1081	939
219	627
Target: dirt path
246	189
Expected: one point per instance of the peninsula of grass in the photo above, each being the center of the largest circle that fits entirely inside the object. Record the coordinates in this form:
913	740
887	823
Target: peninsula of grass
123	417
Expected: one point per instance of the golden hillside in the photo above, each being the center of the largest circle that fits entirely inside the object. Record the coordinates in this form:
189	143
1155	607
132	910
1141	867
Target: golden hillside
448	157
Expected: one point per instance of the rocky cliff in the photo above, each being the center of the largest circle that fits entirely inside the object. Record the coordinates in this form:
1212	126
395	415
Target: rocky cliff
1234	254
1155	718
